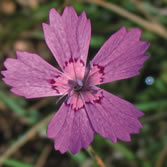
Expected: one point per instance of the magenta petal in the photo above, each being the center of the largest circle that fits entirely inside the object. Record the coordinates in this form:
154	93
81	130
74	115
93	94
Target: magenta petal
68	37
87	109
111	116
30	76
121	56
71	130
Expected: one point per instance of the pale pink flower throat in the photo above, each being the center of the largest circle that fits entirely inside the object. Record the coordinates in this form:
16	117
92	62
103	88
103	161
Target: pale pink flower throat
79	86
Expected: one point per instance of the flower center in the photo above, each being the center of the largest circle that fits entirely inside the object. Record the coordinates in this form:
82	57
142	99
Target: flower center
79	85
76	85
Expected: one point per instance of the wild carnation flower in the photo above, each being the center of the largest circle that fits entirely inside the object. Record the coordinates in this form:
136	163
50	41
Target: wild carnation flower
87	108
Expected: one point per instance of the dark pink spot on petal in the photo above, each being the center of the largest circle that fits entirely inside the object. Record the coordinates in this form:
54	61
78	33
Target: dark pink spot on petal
57	76
82	62
71	60
77	109
55	88
98	100
66	63
88	102
101	68
52	81
73	108
101	79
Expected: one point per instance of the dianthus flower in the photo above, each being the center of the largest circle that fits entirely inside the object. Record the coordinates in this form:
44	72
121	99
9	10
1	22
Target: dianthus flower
87	108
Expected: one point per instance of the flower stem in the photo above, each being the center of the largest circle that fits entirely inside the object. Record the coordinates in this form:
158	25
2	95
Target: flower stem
98	159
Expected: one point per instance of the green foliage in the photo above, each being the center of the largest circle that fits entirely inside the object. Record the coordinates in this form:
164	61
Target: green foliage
14	163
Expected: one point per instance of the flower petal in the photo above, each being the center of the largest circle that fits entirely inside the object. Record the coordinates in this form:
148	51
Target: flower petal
111	116
70	129
68	37
121	56
31	76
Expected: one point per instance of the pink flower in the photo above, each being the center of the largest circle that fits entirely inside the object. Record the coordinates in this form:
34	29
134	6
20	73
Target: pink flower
87	108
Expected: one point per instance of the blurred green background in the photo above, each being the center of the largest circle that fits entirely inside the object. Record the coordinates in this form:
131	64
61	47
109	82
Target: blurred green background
23	141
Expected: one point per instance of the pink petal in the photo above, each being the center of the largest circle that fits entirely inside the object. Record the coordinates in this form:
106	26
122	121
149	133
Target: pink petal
68	37
111	116
31	76
70	129
121	56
